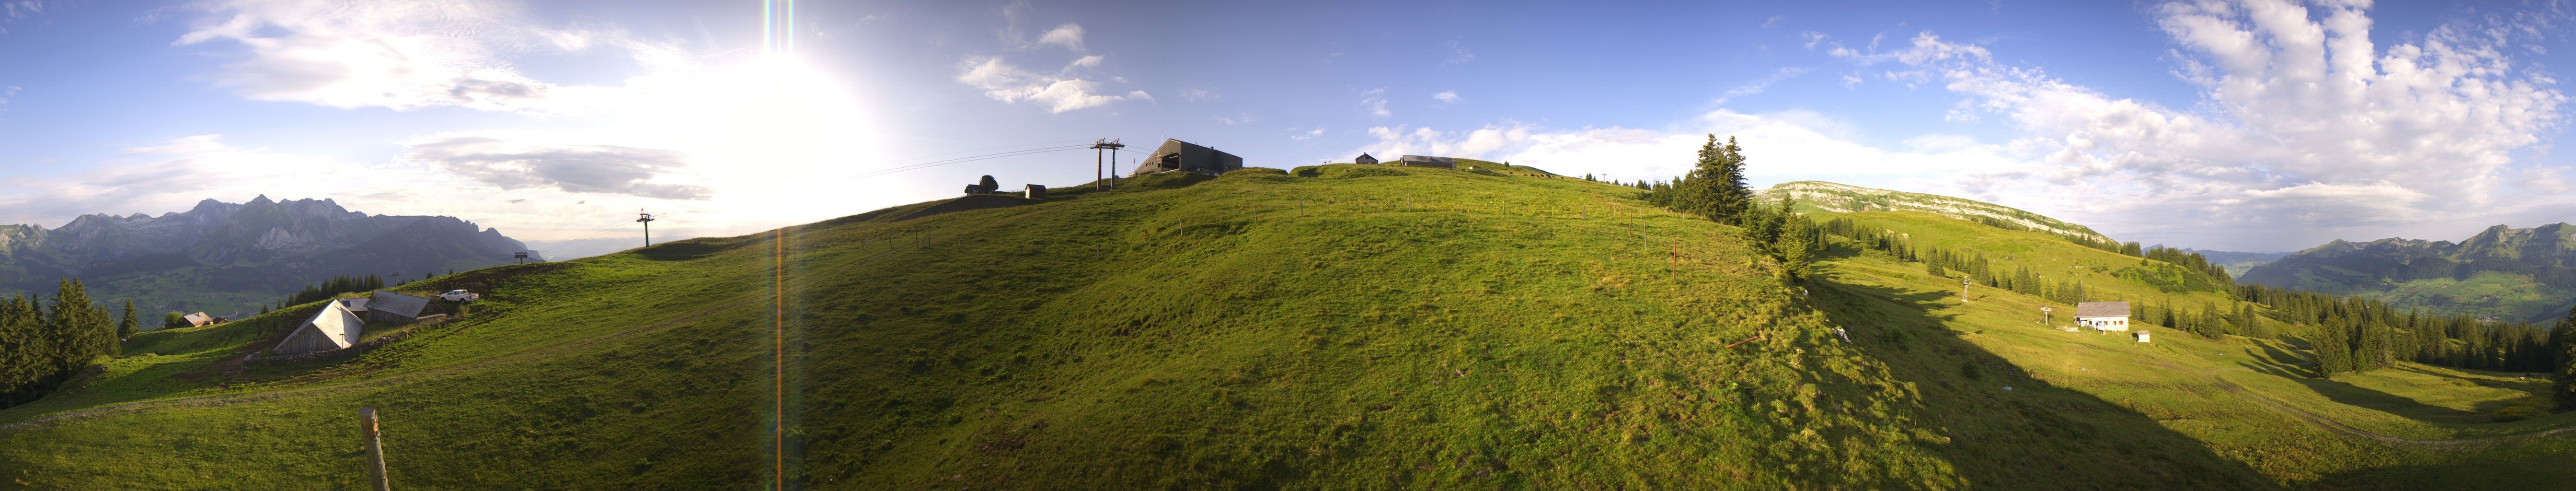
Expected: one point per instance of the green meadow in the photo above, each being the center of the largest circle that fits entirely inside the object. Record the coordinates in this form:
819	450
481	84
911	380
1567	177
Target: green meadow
1332	327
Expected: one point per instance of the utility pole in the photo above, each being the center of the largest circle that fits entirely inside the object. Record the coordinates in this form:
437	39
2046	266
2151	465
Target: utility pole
647	220
1099	180
521	257
375	449
1963	288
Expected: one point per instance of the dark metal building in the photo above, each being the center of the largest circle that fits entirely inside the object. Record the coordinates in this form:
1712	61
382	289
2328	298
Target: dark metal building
1176	155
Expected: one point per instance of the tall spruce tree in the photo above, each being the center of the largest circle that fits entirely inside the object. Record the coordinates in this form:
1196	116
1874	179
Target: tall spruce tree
1734	198
131	324
2562	363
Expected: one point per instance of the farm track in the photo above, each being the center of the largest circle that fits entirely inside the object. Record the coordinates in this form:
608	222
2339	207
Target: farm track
352	383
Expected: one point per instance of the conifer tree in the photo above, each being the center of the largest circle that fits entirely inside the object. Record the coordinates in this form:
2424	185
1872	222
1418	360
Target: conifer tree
131	324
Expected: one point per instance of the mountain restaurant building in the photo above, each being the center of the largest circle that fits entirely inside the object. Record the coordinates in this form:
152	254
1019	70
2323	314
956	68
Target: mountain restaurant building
2103	316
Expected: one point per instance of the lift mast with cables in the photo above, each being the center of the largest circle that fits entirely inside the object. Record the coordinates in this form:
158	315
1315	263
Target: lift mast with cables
647	220
1097	179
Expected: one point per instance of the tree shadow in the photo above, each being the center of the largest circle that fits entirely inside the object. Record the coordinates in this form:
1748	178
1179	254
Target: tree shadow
2035	435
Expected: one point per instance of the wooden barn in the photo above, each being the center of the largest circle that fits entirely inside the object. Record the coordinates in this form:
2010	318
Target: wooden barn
396	308
1428	161
1176	155
198	319
333	328
2103	316
1364	159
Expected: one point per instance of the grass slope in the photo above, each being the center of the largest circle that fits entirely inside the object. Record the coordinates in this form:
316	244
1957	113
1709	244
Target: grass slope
1330	327
2237	396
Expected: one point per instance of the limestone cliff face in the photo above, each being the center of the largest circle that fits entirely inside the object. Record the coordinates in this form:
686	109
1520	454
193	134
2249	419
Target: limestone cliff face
261	248
1837	197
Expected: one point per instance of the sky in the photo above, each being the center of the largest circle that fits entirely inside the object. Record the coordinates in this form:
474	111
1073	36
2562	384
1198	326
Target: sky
2252	125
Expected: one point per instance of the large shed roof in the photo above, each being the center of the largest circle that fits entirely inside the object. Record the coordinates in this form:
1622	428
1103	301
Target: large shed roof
397	304
2102	309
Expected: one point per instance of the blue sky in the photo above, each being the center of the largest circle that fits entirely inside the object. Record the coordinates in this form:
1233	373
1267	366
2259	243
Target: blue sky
2256	125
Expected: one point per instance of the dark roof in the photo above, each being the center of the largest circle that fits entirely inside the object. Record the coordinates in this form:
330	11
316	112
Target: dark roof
354	304
1176	155
2102	309
397	304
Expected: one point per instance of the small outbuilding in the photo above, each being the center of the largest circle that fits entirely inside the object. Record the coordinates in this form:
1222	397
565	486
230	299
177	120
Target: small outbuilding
1364	159
395	308
1176	156
1428	161
333	328
2142	335
199	319
2103	316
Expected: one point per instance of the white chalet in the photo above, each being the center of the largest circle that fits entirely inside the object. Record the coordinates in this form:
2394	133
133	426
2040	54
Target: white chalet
2103	316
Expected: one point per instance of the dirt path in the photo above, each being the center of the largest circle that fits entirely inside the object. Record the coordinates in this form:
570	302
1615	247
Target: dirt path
432	373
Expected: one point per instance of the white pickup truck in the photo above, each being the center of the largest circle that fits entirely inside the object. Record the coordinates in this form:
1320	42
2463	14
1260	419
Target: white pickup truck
460	296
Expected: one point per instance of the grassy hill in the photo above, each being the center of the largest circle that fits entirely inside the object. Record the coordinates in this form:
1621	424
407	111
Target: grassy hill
1340	326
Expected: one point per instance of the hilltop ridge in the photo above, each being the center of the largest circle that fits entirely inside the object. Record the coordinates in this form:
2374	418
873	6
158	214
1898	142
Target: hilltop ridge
1821	196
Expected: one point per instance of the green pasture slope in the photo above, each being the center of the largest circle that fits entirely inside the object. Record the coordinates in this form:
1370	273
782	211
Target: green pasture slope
2253	402
1330	327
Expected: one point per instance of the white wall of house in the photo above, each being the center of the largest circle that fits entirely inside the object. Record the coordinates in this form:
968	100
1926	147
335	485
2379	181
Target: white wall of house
2115	323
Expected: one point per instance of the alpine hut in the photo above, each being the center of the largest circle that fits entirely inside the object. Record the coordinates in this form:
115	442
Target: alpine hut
396	308
1428	161
333	328
2103	316
1364	159
198	319
1176	155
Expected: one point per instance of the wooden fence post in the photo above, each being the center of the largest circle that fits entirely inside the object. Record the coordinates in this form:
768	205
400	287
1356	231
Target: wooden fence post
375	449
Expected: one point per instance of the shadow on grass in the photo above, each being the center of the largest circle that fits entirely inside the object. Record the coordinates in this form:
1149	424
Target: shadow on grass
2035	436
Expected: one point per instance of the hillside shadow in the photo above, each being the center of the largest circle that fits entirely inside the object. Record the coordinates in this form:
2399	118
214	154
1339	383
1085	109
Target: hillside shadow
2035	436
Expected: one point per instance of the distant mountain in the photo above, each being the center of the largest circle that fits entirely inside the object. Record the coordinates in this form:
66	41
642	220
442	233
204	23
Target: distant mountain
220	257
1834	197
2238	263
2515	274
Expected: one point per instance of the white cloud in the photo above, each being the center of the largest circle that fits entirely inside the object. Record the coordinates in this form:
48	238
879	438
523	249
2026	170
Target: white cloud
1057	92
1068	35
2304	125
508	165
1200	95
1458	54
1447	96
1307	135
1779	147
173	176
398	55
1758	85
1375	101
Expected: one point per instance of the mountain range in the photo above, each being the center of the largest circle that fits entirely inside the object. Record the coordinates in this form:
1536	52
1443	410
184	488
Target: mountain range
2512	274
225	257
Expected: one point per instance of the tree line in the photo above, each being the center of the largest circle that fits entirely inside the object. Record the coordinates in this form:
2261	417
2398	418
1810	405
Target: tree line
2357	334
43	344
330	288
